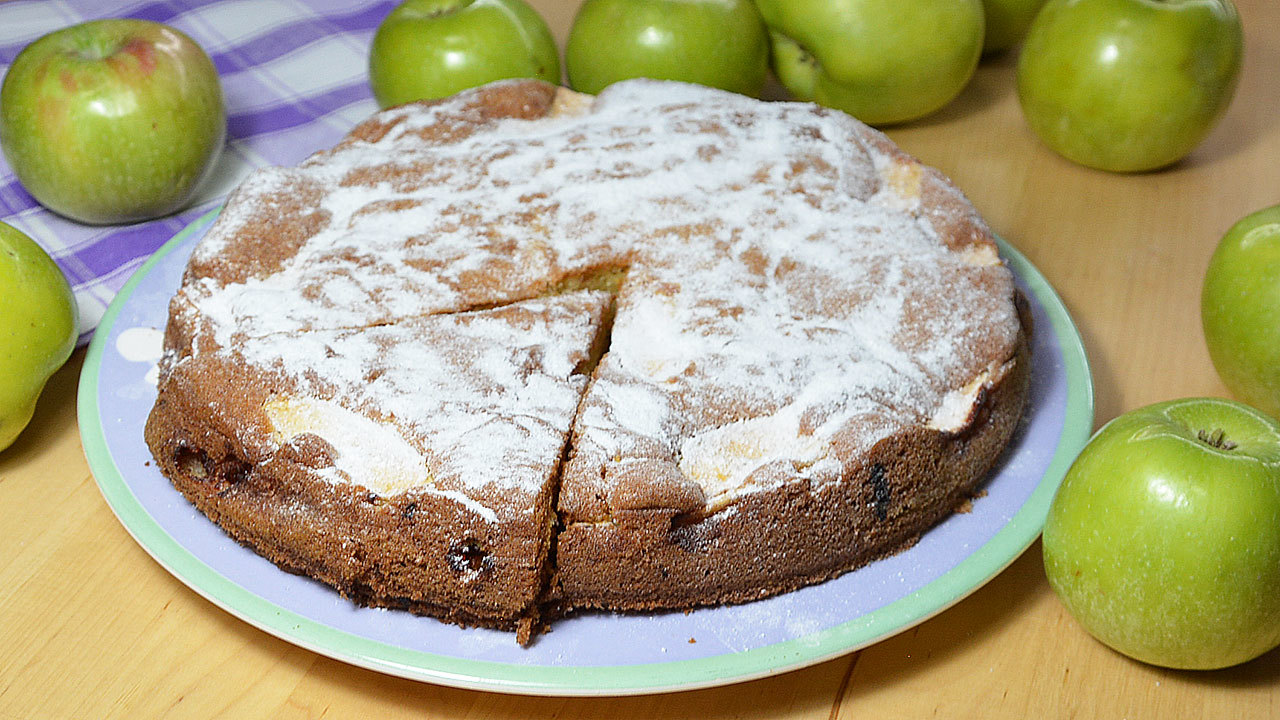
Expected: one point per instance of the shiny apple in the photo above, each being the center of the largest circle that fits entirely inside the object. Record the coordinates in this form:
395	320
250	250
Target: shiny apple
719	43
37	327
1240	309
882	61
112	121
1007	22
427	49
1164	539
1128	85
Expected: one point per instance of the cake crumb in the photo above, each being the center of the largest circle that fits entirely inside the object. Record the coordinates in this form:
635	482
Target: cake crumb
525	630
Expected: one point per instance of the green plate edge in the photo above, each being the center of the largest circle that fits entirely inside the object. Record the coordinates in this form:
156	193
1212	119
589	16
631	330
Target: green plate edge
953	586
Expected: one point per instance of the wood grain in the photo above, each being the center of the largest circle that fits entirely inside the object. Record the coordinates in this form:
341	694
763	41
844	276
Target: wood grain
93	628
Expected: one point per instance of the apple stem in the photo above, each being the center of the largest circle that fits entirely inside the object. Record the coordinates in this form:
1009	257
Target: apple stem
93	48
1216	439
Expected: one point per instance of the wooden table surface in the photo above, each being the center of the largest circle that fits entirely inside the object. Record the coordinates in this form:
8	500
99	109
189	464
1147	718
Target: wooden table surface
92	627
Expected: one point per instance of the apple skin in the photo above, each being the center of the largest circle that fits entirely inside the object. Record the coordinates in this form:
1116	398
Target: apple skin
1164	539
428	49
719	43
1129	85
112	121
882	61
37	327
1007	22
1240	309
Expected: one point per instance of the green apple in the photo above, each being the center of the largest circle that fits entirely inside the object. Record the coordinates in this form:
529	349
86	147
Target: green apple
1240	309
427	49
720	43
37	327
112	121
1128	85
882	61
1164	539
1007	22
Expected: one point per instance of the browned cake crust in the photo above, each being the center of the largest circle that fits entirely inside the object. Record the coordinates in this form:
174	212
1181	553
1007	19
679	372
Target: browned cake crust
614	523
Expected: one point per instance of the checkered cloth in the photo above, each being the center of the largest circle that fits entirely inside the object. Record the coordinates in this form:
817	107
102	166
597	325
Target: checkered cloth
294	74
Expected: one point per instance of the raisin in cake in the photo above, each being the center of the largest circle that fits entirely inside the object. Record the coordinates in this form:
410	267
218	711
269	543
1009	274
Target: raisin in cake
523	351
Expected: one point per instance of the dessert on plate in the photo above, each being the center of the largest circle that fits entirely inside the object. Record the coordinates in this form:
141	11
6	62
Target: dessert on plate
522	352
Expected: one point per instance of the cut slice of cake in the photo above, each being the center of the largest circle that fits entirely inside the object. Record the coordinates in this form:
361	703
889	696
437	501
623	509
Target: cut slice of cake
409	465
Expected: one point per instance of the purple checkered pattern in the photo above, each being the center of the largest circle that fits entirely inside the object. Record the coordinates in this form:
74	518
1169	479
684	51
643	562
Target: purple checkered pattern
294	73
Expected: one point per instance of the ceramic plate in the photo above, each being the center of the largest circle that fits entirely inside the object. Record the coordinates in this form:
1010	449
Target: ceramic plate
592	654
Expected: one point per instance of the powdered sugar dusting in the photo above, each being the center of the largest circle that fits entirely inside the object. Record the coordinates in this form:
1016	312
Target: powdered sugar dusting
418	227
472	406
782	288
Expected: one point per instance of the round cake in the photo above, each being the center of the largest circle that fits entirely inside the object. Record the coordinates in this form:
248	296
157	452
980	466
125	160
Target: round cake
524	352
